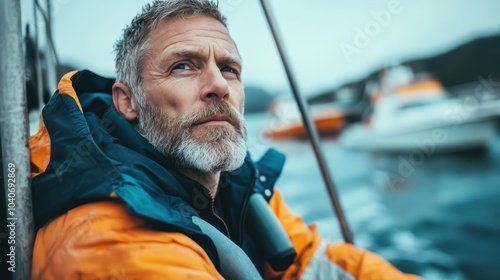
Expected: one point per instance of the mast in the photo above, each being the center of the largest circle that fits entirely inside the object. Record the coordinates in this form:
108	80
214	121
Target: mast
308	124
14	135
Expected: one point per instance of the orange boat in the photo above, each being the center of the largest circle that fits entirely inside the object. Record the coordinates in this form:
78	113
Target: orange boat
326	123
329	119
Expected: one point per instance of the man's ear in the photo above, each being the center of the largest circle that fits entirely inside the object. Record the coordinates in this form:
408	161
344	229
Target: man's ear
124	101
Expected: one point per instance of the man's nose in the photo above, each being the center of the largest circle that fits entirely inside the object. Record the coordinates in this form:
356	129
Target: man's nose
216	87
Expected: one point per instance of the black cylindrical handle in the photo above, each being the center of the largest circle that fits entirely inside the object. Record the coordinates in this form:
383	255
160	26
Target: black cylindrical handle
268	234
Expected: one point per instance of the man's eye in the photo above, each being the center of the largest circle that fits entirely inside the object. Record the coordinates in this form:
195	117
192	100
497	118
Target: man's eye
227	69
181	66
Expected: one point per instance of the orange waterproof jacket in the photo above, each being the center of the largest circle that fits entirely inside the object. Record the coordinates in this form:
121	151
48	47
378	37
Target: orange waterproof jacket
102	240
108	206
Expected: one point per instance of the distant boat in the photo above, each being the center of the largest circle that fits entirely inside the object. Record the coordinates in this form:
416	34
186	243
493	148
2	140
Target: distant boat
432	125
328	118
420	116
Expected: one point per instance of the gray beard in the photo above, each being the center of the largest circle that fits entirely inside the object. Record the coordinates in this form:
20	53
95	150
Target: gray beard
204	148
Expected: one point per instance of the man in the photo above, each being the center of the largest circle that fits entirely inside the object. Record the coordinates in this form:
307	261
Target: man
148	177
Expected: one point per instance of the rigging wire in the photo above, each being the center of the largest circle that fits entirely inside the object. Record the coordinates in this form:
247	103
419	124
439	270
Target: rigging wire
48	31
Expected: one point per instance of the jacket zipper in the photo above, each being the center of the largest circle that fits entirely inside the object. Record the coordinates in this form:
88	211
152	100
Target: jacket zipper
219	218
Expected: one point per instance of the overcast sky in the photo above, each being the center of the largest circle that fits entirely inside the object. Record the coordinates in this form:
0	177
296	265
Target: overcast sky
329	41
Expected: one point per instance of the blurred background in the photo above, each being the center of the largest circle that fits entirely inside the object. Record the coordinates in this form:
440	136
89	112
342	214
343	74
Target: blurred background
405	94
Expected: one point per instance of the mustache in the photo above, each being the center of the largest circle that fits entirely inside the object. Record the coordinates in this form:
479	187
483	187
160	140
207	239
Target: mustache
213	109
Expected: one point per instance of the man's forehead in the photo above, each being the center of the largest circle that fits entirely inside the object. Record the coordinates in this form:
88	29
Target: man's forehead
187	49
187	35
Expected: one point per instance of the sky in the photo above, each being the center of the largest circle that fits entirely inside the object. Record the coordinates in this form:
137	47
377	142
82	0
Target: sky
329	42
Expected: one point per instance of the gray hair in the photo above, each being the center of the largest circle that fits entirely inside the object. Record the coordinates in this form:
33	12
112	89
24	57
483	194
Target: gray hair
132	47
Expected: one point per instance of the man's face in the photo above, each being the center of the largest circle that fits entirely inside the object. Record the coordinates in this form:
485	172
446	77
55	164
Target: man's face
194	95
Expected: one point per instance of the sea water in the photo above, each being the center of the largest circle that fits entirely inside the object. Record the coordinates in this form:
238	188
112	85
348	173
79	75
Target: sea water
436	215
